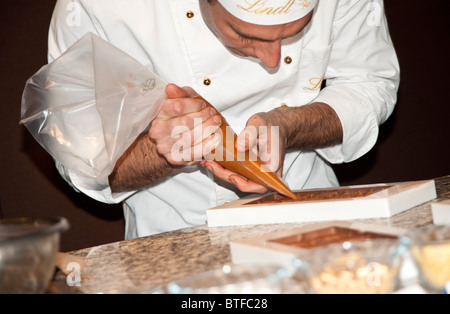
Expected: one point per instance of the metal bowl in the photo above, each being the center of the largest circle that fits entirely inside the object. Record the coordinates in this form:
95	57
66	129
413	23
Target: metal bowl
28	249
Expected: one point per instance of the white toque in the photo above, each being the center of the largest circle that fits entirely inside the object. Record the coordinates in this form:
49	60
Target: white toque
269	12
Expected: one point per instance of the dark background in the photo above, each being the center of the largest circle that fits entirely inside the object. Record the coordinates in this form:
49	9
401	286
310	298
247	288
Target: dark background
413	145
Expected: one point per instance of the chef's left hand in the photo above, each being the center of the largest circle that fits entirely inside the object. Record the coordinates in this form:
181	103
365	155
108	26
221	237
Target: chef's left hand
263	135
240	182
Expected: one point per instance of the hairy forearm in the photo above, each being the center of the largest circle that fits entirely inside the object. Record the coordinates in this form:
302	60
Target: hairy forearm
139	166
311	126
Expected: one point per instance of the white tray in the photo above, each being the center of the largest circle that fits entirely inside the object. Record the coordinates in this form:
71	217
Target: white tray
441	212
269	249
391	200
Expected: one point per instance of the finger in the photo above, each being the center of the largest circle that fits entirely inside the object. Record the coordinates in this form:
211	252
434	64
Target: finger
196	121
191	137
180	106
193	154
218	170
241	183
199	150
190	144
248	186
270	148
247	138
185	131
174	91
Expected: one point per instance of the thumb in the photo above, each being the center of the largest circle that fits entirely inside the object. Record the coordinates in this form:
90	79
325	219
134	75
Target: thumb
249	136
247	139
174	91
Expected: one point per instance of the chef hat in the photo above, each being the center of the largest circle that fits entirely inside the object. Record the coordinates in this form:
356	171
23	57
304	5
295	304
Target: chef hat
269	12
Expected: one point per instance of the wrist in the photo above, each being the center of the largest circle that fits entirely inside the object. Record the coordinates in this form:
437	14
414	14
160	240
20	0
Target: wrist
281	119
311	126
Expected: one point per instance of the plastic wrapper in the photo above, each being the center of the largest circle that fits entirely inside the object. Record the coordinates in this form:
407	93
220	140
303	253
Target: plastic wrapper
89	105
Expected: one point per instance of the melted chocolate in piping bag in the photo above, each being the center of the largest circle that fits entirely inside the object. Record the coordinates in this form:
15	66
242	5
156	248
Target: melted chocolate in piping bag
245	164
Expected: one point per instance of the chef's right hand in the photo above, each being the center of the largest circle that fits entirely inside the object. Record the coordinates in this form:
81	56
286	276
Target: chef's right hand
184	130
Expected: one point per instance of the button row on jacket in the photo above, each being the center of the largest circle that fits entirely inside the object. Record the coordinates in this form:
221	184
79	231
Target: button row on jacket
190	15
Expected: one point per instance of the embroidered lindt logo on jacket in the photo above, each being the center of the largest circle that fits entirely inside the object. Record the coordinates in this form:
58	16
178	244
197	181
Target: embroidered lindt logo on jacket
315	84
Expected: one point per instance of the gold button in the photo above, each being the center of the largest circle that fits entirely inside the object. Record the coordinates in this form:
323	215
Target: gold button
207	82
189	14
288	60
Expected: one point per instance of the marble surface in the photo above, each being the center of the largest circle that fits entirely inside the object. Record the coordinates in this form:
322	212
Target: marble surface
149	264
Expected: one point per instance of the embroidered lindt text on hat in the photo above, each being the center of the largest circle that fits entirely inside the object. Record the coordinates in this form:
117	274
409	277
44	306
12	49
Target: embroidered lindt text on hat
261	6
269	12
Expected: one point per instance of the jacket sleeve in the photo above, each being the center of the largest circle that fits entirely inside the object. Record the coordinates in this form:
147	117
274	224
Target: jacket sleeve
362	78
70	22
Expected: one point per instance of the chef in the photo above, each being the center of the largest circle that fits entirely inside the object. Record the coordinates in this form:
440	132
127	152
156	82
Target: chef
323	72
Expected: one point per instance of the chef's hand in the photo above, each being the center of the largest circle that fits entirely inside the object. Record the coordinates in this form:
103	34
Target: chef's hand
263	136
184	128
229	176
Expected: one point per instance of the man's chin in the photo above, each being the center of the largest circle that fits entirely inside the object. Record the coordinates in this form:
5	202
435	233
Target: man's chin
241	55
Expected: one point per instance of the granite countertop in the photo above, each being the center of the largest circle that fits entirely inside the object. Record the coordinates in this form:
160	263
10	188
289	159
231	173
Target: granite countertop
150	263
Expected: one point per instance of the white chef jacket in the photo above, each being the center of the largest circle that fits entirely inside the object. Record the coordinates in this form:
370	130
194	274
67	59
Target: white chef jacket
346	43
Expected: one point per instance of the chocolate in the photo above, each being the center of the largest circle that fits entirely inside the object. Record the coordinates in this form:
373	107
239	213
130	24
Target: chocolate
245	164
321	195
327	236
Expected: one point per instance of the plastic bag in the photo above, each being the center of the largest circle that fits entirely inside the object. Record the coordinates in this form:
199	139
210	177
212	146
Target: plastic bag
89	105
